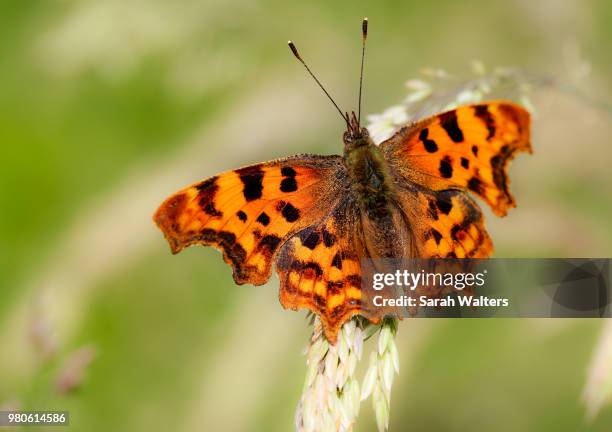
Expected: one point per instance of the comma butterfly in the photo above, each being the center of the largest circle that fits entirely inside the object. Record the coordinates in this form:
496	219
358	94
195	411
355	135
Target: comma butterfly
316	216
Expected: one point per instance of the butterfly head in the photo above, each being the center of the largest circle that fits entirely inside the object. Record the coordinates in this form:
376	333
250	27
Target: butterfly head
355	136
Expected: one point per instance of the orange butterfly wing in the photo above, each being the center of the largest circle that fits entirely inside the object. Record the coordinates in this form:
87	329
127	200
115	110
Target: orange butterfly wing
437	160
250	212
446	224
291	211
466	148
320	269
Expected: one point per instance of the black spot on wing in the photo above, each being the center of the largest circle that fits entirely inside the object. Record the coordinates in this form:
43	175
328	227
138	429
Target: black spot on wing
430	145
498	163
482	112
472	215
444	206
207	184
436	235
252	180
269	243
455	231
288	172
310	239
443	200
512	115
334	287
337	261
263	219
446	167
337	311
475	185
206	196
226	241
475	150
448	121
227	237
465	163
290	213
288	183
209	209
354	280
319	301
241	215
310	268
328	238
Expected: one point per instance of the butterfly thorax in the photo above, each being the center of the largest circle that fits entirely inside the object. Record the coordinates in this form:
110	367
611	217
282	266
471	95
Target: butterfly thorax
370	178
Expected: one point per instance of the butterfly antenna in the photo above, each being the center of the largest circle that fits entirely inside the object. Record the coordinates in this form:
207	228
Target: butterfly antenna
297	56
364	36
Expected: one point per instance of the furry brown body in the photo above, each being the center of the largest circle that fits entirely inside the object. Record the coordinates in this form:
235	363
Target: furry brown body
385	228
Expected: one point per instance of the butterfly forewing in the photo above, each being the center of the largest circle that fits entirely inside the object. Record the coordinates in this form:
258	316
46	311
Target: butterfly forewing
466	148
250	212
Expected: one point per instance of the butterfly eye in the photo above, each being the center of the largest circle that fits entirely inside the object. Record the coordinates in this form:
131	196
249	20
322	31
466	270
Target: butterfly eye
347	137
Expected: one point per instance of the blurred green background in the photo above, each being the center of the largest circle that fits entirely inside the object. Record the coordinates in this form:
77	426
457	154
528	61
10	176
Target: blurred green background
107	107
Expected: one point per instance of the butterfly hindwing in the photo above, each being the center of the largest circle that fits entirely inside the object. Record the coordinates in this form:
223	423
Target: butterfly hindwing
446	224
319	268
250	212
466	148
